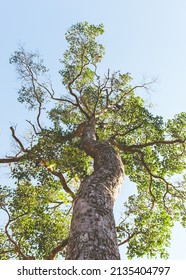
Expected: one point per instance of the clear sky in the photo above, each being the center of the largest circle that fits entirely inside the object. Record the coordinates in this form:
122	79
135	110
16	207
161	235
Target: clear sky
144	37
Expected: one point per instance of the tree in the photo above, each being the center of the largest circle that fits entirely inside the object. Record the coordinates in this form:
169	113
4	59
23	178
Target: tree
68	172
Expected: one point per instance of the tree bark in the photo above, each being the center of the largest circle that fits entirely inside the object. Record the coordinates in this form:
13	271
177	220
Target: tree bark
92	233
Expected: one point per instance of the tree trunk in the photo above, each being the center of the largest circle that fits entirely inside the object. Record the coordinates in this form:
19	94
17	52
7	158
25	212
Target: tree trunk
92	233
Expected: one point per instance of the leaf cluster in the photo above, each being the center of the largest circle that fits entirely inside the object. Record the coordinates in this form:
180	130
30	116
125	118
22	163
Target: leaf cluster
38	220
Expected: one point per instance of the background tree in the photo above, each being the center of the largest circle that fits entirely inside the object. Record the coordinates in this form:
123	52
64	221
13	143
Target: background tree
71	168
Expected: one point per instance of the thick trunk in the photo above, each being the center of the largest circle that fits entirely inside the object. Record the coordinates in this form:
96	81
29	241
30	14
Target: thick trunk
92	234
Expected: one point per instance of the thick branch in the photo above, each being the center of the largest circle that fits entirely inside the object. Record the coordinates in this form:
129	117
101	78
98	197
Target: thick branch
57	249
63	182
130	236
61	178
134	148
12	159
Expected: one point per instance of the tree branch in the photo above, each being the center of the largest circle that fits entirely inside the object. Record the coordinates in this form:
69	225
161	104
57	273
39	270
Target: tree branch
12	159
127	132
51	94
17	247
158	142
69	85
33	126
17	140
61	178
57	249
134	148
130	236
63	183
77	101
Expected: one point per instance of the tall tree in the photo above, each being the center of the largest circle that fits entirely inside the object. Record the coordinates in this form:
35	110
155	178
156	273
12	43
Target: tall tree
68	172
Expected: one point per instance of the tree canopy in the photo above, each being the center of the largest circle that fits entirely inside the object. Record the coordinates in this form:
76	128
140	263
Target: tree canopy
50	164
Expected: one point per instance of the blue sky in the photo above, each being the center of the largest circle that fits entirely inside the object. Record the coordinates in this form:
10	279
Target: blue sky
145	38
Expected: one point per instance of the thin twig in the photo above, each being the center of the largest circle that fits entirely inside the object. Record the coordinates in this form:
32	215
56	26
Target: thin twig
17	140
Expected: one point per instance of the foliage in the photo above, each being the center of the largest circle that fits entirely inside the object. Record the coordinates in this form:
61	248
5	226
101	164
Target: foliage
38	220
48	171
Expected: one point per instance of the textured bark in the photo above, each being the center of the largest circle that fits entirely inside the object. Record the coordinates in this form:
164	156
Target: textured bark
92	234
